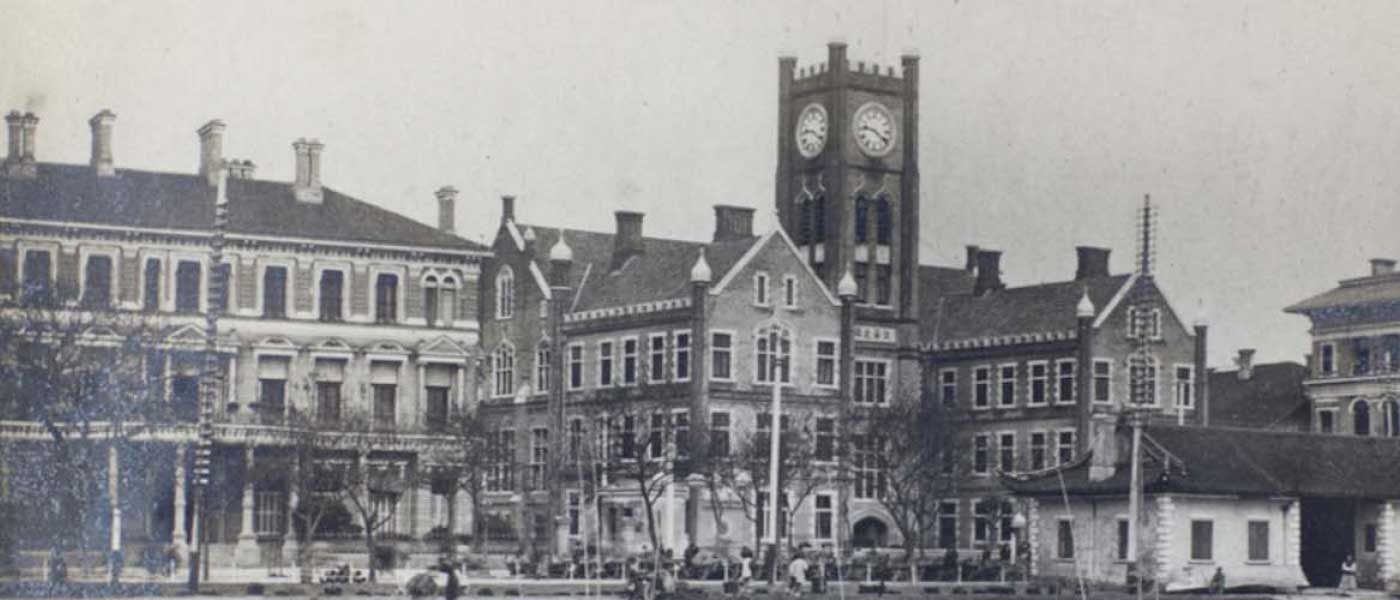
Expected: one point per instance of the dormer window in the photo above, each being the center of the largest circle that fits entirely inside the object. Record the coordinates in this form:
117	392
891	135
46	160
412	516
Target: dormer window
505	293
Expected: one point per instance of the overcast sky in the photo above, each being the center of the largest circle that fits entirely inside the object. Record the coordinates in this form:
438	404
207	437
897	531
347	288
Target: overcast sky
1266	131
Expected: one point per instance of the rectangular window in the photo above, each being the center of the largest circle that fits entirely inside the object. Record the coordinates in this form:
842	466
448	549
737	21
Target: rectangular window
97	282
184	396
721	349
1040	383
539	456
825	517
267	513
1064	446
1185	386
187	276
656	358
386	298
437	407
385	508
682	358
330	375
575	510
1065	381
1361	356
605	364
982	387
719	434
1326	421
1259	541
1202	540
1122	539
1064	539
826	439
150	295
1006	381
500	474
947	525
1145	321
274	292
1103	381
981	521
1038	450
1369	543
680	431
332	284
544	360
981	449
575	438
272	388
826	363
760	289
1006	451
575	366
384	404
38	279
869	476
790	292
948	383
629	361
871	381
1326	363
1142	372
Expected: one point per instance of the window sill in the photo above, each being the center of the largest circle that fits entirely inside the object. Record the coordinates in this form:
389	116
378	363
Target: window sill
1198	561
1258	563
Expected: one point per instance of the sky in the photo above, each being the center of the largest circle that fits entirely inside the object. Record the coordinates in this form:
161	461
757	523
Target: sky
1266	132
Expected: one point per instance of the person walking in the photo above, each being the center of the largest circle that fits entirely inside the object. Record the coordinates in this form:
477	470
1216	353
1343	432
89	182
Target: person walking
797	574
1348	574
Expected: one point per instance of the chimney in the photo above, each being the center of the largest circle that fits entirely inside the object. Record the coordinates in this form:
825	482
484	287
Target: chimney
30	124
15	123
1103	446
101	124
971	265
507	209
628	241
733	222
988	272
1245	361
211	151
447	208
240	169
1382	266
20	162
307	187
1093	262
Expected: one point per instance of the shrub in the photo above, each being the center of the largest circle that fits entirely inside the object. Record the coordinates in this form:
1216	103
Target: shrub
422	585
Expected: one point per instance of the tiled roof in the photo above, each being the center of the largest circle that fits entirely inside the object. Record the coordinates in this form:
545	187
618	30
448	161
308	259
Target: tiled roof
1032	309
662	272
1379	289
178	201
1245	462
1271	397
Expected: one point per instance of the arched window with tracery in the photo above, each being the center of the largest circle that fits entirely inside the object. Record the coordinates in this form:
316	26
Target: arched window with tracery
773	353
503	370
1361	418
884	221
862	220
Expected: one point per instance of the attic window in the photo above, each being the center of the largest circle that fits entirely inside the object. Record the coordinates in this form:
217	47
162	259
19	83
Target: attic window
1145	320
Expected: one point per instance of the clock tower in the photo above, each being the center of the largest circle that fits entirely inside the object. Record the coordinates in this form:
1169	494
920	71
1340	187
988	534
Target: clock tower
848	174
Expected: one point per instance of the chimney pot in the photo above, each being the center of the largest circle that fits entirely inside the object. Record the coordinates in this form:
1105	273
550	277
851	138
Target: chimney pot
101	124
988	272
447	208
211	151
507	209
1093	262
1245	361
628	241
1382	266
733	222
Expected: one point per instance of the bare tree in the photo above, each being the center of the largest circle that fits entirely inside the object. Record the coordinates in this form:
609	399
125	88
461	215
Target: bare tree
463	465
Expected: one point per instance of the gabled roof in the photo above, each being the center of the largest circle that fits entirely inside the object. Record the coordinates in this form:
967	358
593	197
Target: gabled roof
1027	310
1271	397
1376	289
1217	460
178	201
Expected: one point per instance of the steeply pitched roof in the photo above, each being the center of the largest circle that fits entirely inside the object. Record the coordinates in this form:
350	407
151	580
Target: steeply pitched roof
177	201
1271	397
1032	309
1377	289
1213	460
661	272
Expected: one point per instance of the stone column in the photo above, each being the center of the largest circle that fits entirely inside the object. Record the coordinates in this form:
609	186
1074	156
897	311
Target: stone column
178	534
246	553
290	545
114	495
1385	546
1166	524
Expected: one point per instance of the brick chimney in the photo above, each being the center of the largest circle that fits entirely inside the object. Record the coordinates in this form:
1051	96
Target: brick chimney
15	123
733	222
1382	266
971	265
30	124
628	241
17	163
988	272
447	208
507	209
1093	262
101	124
307	187
211	151
1245	362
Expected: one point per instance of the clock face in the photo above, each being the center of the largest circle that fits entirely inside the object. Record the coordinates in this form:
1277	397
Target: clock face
874	129
811	130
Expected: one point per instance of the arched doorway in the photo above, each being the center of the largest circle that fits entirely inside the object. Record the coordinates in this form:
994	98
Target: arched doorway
870	532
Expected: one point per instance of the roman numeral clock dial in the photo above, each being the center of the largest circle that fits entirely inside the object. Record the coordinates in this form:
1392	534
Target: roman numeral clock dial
811	130
874	130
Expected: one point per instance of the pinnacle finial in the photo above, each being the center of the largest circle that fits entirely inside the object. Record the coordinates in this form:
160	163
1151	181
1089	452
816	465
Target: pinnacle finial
1085	308
846	288
561	252
700	273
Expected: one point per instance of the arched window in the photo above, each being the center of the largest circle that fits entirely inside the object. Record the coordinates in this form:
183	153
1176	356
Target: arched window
773	350
862	219
884	221
1361	418
503	371
819	218
1391	410
505	293
804	221
430	299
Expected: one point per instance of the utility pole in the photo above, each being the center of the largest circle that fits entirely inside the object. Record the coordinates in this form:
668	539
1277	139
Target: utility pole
1143	375
212	384
774	452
